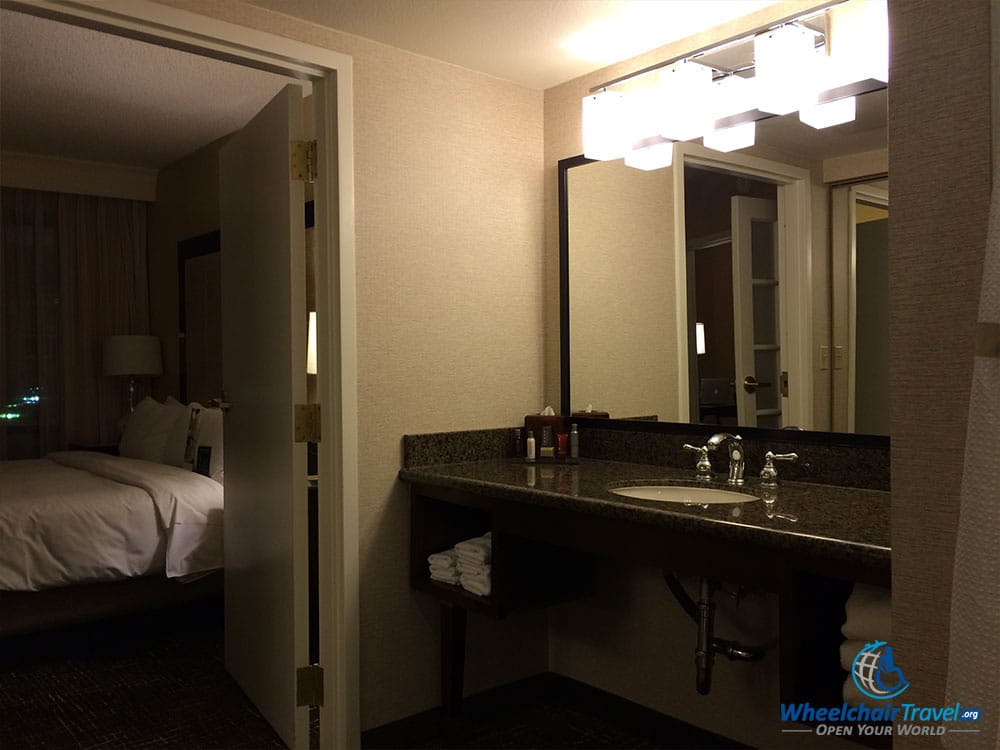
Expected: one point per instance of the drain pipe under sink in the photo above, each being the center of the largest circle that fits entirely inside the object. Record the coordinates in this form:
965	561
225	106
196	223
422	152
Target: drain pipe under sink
703	614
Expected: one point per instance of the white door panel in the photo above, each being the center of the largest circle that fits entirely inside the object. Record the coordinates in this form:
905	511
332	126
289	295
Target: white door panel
756	312
264	365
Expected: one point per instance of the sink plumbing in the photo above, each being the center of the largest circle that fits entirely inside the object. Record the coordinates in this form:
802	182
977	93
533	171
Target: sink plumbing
703	613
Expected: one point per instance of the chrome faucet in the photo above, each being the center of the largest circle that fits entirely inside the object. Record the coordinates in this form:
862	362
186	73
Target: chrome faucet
736	456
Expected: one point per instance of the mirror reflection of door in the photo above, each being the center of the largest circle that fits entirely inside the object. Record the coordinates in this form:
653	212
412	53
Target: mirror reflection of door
199	318
732	298
860	361
756	319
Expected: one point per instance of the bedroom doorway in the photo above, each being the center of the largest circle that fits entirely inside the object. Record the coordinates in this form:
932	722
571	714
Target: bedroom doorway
331	77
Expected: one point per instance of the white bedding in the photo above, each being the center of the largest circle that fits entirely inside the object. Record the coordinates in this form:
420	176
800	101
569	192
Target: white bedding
80	517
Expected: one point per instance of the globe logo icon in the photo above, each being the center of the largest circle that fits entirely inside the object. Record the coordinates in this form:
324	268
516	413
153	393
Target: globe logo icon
876	674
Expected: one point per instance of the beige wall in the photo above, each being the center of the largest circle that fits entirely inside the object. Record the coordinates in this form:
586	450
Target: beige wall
621	303
939	165
187	205
448	196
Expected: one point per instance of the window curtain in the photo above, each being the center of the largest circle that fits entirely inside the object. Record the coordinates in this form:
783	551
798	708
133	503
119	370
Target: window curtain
72	272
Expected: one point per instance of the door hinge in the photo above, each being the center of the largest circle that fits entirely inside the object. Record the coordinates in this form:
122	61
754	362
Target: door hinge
308	423
303	161
309	685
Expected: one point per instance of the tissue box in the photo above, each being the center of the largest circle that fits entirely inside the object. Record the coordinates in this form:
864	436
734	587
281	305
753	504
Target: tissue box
591	414
535	424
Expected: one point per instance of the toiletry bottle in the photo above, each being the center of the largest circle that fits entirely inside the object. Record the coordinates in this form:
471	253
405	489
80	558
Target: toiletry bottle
530	442
574	445
518	448
548	446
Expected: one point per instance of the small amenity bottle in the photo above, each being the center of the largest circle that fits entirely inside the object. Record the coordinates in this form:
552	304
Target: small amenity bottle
530	443
574	445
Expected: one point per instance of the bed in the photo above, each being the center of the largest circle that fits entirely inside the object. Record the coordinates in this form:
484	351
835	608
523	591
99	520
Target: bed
85	535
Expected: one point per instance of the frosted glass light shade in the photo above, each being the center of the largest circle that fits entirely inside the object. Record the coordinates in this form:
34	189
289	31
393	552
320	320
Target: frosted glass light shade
858	41
132	355
685	88
699	338
605	135
832	113
739	136
784	60
311	348
656	152
733	96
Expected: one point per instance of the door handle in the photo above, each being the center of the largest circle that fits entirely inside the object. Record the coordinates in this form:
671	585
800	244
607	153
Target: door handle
751	384
220	403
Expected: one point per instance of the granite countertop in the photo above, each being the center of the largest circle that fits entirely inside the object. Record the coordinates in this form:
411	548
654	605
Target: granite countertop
838	523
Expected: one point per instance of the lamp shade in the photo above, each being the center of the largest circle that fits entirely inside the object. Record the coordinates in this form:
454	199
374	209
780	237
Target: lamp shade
132	355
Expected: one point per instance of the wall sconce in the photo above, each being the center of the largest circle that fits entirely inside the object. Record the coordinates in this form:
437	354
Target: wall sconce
795	66
311	346
135	356
699	337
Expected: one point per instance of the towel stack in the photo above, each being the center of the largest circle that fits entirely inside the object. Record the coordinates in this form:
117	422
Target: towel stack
444	566
474	557
869	619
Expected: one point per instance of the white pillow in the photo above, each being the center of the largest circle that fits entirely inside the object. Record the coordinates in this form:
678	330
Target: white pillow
148	431
175	450
208	434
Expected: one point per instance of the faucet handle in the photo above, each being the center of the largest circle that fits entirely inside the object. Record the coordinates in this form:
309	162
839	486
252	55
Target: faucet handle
703	469
769	474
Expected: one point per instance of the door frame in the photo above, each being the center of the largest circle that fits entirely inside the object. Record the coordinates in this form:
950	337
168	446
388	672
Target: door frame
794	186
331	74
844	253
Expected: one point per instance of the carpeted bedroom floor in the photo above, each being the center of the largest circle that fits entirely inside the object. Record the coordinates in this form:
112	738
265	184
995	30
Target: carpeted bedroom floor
151	681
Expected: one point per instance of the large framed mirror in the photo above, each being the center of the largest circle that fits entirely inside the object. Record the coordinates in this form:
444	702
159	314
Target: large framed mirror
727	288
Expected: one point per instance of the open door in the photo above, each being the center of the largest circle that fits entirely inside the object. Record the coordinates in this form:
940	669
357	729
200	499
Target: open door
756	313
264	375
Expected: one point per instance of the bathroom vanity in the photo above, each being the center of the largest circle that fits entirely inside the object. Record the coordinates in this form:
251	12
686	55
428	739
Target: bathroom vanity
549	521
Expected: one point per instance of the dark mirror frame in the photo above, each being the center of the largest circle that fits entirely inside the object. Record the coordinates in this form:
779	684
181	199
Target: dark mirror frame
680	428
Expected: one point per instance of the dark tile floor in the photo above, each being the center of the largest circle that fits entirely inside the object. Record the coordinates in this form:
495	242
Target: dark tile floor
158	681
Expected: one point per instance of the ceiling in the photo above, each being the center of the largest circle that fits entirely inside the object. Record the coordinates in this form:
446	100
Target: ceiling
535	43
72	92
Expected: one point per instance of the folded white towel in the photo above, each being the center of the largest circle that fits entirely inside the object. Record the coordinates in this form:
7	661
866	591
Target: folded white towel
849	649
446	576
446	559
478	549
477	585
474	569
869	614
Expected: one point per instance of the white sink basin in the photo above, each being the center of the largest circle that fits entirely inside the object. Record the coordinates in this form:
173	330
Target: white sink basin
684	494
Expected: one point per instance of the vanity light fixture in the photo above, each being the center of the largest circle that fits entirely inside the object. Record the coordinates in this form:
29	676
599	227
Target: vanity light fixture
785	68
798	64
655	152
739	136
605	126
685	90
832	113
